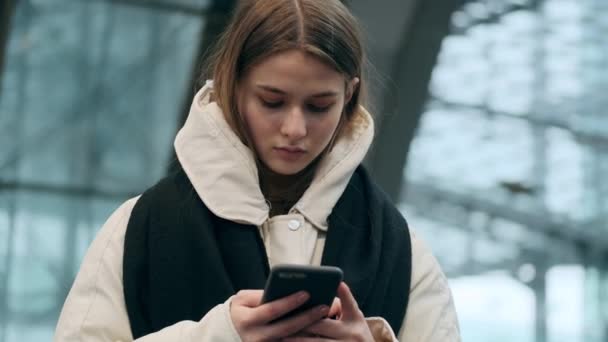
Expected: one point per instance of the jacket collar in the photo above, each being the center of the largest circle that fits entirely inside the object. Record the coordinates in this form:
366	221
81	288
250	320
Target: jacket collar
223	171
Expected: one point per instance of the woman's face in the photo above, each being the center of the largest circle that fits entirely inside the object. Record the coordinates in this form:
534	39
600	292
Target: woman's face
291	103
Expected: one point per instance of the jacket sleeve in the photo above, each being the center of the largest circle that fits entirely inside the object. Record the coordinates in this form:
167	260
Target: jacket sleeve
95	308
430	316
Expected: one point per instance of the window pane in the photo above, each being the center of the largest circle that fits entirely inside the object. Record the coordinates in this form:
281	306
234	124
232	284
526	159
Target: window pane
90	100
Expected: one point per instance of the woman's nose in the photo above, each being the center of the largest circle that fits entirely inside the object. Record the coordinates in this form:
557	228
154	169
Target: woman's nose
294	124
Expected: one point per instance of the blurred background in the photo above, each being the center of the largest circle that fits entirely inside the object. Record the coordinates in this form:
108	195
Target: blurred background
492	138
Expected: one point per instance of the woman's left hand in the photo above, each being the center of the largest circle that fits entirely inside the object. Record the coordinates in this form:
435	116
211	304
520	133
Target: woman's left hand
350	325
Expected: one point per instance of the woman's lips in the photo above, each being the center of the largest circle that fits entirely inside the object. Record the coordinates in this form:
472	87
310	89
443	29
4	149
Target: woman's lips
289	153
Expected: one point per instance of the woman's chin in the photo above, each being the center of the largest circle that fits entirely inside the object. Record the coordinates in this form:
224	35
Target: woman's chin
286	169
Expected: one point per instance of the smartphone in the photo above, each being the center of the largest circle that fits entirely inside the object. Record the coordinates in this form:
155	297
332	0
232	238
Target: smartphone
321	283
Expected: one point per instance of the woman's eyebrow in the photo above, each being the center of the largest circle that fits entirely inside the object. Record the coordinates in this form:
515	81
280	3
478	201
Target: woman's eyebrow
279	91
271	89
326	94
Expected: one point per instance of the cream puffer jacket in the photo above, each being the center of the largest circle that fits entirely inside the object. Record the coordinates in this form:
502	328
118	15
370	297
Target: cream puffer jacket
223	173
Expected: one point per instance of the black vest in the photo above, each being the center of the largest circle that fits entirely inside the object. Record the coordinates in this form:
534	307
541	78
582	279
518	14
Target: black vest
180	260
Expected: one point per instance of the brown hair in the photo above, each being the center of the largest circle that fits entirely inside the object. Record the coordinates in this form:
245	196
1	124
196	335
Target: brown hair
260	28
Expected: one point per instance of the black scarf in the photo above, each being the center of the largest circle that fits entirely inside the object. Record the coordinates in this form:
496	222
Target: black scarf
180	260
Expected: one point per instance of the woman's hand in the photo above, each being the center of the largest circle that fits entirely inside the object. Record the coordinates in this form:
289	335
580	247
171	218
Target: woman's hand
252	320
350	326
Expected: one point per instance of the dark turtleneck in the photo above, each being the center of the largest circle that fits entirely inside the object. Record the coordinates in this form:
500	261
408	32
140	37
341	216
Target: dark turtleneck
283	191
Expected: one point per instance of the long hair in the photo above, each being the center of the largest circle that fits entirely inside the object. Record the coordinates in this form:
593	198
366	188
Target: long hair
261	28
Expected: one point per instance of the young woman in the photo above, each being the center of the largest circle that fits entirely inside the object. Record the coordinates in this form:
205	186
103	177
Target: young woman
269	173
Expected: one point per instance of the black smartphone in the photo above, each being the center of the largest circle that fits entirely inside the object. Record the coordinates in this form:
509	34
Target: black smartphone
321	283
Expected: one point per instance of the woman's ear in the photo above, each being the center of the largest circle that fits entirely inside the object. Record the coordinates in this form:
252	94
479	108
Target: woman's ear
350	89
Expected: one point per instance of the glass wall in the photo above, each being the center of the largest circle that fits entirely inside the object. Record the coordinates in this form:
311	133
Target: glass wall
506	177
89	104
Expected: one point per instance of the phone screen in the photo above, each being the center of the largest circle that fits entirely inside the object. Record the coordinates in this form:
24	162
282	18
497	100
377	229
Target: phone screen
321	282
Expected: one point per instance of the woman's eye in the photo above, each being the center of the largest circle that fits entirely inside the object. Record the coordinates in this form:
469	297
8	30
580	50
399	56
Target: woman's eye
317	109
271	104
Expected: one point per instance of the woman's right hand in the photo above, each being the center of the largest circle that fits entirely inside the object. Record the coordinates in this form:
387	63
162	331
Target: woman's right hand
252	319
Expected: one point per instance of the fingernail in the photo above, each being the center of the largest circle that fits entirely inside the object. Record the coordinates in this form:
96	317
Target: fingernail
302	297
324	310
